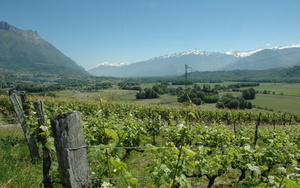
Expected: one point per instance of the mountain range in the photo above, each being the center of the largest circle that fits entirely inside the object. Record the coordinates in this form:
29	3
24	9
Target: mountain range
200	60
24	51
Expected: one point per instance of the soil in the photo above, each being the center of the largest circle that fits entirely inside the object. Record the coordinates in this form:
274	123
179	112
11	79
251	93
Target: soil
10	126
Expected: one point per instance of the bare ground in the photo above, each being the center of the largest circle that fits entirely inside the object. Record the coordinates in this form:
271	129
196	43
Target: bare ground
10	126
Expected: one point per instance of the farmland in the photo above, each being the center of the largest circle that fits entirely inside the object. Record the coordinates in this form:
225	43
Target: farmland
282	97
184	146
163	136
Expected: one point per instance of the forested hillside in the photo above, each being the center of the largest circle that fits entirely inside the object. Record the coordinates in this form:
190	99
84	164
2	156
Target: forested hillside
270	75
25	52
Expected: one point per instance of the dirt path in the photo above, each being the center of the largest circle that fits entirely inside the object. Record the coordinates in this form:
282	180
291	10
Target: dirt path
10	126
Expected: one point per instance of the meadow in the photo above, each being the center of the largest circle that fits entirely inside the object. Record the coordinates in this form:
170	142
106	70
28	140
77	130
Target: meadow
283	97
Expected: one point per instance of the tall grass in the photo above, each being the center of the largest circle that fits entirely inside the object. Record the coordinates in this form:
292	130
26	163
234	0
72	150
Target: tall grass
16	169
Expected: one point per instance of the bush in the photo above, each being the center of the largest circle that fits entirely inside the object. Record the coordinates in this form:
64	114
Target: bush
220	104
197	101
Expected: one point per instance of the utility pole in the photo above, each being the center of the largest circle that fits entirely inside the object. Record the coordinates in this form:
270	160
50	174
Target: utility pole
186	68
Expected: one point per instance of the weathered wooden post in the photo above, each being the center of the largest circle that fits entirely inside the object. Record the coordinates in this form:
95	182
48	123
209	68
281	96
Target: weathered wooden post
34	152
47	180
70	150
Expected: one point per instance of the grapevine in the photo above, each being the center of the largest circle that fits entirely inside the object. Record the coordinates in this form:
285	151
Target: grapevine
186	145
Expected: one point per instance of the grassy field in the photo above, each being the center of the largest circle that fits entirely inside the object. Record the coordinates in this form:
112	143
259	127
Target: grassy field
281	103
16	167
283	97
280	88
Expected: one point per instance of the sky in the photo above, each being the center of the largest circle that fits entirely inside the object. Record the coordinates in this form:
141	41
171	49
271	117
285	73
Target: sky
96	31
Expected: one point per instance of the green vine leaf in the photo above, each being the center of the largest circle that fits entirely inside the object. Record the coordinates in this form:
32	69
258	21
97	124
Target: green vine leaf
111	133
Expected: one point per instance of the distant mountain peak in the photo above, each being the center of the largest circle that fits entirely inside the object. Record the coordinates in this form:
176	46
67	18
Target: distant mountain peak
248	53
5	26
109	64
29	35
237	53
191	52
27	52
200	60
284	47
197	52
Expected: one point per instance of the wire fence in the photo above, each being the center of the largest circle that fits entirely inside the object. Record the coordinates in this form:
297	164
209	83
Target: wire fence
65	129
98	181
164	147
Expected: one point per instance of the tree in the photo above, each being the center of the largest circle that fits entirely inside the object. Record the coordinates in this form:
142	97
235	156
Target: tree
197	101
229	101
148	93
249	94
220	104
158	89
199	96
234	104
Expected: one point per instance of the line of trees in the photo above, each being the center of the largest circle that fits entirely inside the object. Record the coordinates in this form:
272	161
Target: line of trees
153	92
148	93
231	102
198	95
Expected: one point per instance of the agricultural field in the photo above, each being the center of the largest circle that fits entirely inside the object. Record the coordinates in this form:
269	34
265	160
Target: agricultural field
281	103
148	145
281	88
282	97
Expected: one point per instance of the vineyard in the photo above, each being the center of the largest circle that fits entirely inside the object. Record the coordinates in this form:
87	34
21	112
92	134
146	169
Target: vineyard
133	145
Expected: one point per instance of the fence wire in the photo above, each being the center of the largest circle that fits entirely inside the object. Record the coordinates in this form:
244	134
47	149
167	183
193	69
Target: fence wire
96	180
118	178
165	147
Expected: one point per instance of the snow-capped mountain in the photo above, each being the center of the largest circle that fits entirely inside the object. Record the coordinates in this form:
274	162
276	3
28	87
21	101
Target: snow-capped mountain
109	64
192	52
242	53
200	60
248	53
275	57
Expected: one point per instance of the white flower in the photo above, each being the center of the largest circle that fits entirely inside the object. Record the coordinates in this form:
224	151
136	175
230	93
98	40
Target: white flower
180	126
106	185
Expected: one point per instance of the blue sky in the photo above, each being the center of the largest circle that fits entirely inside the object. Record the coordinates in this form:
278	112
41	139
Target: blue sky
96	31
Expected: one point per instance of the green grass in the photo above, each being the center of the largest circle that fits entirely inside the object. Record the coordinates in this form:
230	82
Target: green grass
65	93
2	121
163	99
280	88
16	169
278	102
285	99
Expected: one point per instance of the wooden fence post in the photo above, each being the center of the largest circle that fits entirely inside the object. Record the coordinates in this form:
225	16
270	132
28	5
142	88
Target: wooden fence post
34	152
47	180
70	150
